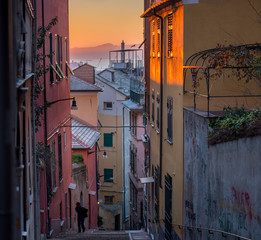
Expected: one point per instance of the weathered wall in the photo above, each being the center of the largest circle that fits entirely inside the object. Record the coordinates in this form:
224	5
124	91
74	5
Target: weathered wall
221	182
79	176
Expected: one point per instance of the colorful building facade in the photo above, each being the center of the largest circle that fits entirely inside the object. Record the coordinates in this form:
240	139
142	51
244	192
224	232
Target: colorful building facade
56	207
178	30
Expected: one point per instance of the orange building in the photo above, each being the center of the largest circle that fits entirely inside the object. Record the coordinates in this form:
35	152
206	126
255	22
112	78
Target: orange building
178	30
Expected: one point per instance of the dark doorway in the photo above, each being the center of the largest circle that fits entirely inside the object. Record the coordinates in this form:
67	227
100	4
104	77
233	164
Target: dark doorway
117	222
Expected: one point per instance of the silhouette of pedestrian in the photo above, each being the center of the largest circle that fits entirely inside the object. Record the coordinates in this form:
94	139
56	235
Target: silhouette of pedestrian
82	214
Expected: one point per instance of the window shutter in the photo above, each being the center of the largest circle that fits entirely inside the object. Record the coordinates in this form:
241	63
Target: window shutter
108	175
108	140
153	39
51	56
159	37
170	35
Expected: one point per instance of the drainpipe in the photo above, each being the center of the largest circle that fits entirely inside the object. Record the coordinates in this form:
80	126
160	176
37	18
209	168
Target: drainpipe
161	91
45	123
123	157
35	174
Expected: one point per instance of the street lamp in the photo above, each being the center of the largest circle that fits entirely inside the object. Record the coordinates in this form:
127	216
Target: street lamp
73	107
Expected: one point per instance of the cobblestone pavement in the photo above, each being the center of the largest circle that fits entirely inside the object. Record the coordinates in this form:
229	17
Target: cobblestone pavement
104	235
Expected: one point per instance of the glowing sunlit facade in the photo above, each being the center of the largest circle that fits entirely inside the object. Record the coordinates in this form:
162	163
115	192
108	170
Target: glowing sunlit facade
179	29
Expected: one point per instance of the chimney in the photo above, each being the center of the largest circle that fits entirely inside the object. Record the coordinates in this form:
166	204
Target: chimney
122	53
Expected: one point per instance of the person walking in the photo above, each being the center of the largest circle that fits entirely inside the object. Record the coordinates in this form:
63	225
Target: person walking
82	214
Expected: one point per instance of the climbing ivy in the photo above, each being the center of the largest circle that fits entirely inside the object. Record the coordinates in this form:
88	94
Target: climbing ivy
41	69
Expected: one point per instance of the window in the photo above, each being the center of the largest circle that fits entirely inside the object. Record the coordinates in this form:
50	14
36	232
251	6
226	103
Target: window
108	199
153	39
133	159
153	108
170	35
68	68
156	192
108	105
49	177
58	57
133	124
54	165
60	157
159	37
61	211
133	197
51	57
108	139
64	139
108	175
158	111
169	118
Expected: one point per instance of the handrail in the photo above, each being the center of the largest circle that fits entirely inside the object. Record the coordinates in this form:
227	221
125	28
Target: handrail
210	230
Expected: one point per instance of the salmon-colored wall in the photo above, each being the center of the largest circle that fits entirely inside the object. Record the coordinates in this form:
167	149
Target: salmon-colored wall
58	115
89	157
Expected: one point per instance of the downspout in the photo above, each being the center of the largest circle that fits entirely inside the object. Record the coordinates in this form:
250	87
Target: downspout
45	124
161	92
35	178
123	156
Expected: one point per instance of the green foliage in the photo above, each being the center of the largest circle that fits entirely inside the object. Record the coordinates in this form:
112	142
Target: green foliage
234	120
44	154
247	61
76	158
40	68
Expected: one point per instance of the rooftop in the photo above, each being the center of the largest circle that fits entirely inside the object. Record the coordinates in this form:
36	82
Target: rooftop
78	85
83	135
117	79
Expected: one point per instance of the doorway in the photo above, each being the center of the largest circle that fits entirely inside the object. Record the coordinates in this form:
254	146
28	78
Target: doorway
117	222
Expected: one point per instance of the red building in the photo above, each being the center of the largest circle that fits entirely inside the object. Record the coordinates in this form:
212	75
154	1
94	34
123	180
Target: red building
56	207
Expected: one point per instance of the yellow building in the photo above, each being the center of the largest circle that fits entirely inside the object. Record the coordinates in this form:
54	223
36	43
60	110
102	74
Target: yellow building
179	30
116	89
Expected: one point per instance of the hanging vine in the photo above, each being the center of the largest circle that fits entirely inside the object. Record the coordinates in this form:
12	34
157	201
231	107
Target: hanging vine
41	69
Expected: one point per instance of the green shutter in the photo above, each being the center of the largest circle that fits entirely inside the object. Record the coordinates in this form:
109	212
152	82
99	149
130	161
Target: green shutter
108	140
108	175
51	56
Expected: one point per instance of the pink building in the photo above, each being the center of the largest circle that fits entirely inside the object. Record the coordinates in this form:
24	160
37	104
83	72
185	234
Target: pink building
136	162
84	145
84	139
56	207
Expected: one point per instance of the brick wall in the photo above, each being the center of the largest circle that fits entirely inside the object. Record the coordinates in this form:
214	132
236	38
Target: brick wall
85	72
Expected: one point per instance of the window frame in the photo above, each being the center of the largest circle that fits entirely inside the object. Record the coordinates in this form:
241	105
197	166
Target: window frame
105	107
106	198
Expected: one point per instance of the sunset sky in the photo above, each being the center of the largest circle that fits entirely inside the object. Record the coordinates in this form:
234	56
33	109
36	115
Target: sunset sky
95	22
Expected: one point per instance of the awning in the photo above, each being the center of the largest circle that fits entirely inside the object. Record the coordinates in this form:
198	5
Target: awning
72	186
147	180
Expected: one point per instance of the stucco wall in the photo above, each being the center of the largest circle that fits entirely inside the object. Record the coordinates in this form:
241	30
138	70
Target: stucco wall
221	182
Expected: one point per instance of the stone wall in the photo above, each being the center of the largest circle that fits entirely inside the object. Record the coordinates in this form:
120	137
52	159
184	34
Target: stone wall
221	182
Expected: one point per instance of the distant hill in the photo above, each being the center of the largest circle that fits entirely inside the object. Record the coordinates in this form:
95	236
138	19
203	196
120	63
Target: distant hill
90	53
